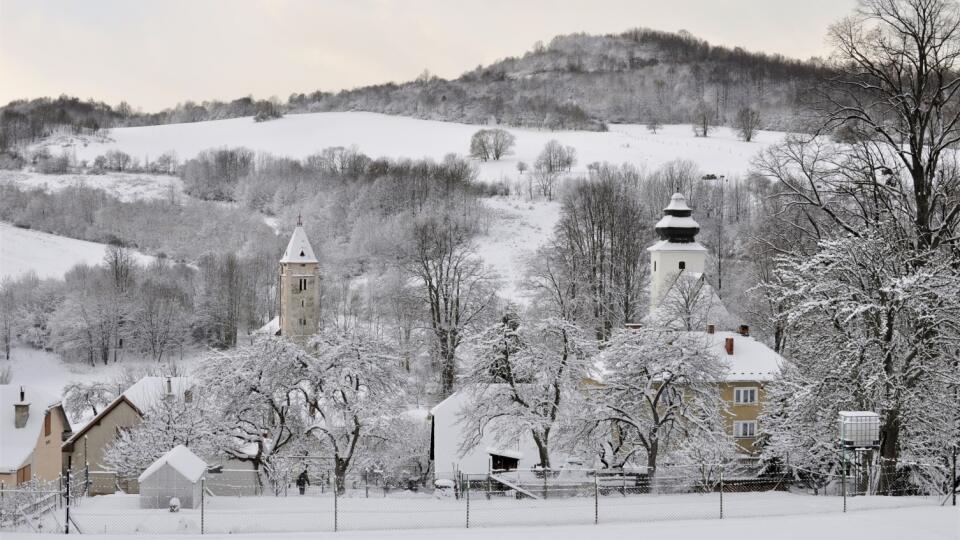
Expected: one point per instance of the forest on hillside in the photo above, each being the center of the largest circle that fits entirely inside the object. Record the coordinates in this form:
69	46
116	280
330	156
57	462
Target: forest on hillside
577	81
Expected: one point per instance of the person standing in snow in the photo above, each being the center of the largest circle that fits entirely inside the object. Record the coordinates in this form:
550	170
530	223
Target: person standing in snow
303	481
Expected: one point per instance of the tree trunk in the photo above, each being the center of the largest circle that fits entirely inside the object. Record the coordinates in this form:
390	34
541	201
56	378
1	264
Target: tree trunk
889	452
542	449
340	475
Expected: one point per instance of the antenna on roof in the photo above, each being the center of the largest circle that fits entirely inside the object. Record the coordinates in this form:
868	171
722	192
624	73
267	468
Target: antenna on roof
299	220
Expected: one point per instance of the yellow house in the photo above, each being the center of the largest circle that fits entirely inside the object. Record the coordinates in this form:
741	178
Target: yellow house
32	426
751	366
86	446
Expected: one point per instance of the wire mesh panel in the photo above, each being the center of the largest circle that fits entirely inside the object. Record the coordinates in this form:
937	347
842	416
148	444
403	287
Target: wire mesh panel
31	507
533	497
371	501
664	494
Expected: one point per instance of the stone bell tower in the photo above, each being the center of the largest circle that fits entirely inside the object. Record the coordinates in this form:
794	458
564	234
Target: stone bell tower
299	288
677	251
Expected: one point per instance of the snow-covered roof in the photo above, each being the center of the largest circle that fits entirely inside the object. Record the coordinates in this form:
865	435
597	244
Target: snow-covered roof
677	222
751	359
270	329
298	249
666	245
677	202
16	444
182	460
507	453
148	391
143	395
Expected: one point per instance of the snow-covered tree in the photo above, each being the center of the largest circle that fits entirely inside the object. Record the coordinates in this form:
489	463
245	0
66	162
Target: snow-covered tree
871	330
81	399
258	401
169	423
351	386
526	381
659	388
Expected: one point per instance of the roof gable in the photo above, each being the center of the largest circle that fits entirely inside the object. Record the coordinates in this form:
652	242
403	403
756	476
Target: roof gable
182	460
299	249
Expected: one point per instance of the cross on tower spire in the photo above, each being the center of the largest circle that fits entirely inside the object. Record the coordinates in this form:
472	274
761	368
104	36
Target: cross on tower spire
299	220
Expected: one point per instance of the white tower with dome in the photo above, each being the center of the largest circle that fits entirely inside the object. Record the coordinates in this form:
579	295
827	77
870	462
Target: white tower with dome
677	251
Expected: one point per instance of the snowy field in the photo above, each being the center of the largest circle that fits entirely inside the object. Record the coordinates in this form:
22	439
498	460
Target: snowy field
49	255
120	515
126	187
298	135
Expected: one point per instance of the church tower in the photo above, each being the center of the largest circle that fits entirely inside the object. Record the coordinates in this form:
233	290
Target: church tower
677	250
299	288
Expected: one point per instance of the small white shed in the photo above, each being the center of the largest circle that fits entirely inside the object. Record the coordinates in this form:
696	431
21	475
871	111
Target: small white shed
175	474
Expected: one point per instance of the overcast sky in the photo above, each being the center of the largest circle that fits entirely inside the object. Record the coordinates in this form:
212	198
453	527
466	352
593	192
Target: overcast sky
155	54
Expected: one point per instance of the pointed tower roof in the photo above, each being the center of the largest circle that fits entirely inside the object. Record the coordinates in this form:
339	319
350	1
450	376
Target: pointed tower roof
299	250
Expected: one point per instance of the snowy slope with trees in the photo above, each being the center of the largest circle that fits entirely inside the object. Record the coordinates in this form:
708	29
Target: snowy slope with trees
299	135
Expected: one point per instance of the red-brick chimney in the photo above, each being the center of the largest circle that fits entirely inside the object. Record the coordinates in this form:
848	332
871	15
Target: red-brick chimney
729	345
711	329
744	330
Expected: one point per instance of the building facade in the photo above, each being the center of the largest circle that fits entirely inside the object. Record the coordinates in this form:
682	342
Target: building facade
33	426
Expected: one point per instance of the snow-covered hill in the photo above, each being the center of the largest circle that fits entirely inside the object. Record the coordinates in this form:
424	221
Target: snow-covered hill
49	255
376	135
520	227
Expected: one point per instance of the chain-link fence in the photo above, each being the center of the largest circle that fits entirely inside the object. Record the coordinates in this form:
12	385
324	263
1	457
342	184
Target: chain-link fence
240	501
39	506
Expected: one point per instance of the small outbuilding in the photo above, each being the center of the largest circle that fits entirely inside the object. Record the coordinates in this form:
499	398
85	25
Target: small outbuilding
175	474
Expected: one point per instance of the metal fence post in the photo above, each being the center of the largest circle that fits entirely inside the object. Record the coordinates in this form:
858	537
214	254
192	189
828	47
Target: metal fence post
466	491
336	495
721	492
66	521
203	493
596	498
843	478
953	477
2	487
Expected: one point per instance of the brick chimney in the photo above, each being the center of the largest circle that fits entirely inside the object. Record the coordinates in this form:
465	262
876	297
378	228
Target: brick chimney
21	411
744	330
728	344
711	329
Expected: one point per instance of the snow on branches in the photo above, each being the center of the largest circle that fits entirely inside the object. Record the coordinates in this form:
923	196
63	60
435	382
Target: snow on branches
659	389
526	380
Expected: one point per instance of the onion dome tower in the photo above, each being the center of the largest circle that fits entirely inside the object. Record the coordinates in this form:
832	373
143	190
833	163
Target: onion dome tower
677	250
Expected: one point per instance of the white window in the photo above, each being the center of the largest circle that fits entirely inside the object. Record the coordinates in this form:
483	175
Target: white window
745	396
742	430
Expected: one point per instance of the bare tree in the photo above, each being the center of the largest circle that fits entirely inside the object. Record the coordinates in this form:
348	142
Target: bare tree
702	119
654	125
457	288
501	143
747	124
480	145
